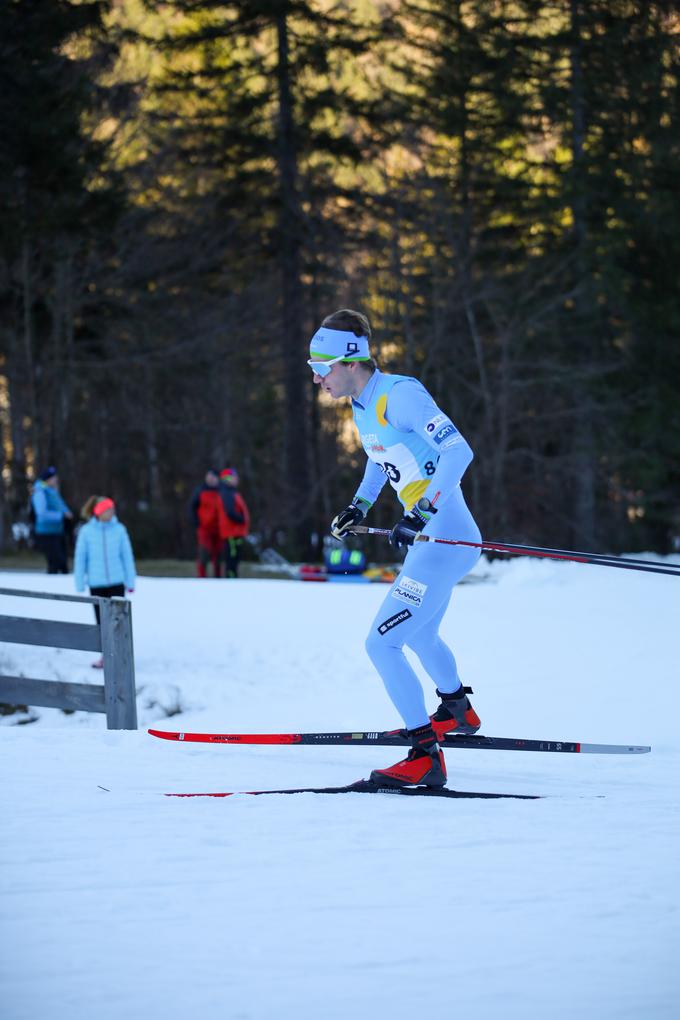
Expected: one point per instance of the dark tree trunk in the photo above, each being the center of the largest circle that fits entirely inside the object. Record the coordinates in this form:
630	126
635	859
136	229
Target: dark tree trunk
584	449
296	480
19	415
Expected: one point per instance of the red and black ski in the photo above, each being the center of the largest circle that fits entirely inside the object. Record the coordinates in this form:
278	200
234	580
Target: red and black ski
365	786
395	738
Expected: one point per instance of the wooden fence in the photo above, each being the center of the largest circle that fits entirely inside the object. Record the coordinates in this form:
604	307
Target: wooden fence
112	637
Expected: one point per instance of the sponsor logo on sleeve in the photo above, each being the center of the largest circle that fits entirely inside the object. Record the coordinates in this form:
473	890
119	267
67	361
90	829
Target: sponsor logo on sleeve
434	422
394	621
409	591
445	432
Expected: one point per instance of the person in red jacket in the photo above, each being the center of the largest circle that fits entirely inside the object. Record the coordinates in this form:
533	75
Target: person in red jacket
236	521
208	518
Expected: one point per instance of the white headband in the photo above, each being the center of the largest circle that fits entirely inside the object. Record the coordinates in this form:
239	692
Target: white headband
336	343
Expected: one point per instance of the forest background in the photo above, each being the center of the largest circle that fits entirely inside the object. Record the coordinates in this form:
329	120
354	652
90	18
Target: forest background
189	187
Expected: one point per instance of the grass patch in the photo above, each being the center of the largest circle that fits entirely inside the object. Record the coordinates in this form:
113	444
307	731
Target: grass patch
26	560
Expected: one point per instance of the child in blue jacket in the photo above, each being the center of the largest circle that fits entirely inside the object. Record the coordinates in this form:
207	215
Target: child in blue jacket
103	557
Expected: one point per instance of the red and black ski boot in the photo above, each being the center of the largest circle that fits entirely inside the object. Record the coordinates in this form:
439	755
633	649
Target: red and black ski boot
455	715
423	766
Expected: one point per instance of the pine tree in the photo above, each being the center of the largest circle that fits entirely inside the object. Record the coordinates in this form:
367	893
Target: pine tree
611	98
258	109
54	203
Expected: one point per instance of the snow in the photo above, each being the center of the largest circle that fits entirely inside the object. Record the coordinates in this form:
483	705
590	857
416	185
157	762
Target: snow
119	902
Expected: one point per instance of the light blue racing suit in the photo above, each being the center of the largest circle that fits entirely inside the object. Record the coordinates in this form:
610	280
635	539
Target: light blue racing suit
412	444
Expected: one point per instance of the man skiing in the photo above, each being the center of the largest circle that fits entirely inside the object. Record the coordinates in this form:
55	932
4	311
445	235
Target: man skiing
415	446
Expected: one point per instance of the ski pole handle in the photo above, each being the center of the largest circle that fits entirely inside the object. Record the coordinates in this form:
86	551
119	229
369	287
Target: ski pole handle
596	559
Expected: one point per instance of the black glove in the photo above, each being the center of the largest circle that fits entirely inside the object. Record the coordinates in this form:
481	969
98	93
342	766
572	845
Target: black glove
404	531
342	523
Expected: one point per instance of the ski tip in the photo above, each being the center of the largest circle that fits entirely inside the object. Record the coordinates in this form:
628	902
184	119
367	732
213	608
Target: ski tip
165	734
232	793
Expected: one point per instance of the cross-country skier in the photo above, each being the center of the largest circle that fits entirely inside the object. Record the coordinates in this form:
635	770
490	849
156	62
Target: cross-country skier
413	444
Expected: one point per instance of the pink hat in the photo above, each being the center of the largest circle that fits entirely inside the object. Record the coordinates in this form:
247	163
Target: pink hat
103	505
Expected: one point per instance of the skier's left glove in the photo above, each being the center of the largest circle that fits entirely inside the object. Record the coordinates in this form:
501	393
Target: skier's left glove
404	531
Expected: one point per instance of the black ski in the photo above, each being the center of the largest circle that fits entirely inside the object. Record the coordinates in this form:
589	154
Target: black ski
365	786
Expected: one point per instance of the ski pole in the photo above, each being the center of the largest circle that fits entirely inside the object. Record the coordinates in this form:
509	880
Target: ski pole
597	559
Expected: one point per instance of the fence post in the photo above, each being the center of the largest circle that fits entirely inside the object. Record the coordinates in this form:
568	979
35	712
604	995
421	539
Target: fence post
119	664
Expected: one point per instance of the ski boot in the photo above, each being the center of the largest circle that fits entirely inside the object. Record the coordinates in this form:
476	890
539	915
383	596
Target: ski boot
423	766
455	715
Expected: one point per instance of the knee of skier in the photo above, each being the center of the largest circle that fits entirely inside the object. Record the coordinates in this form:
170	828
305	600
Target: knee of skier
379	641
371	644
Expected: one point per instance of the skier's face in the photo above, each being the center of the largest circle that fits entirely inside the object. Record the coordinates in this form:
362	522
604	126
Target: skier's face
341	381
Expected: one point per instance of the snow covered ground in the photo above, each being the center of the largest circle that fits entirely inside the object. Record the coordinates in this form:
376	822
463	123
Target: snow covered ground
127	904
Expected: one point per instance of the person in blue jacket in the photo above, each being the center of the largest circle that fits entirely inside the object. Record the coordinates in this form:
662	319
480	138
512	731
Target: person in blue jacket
412	444
104	558
49	512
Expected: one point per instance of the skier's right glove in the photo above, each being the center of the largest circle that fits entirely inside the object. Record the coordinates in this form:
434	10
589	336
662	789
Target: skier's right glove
342	523
405	531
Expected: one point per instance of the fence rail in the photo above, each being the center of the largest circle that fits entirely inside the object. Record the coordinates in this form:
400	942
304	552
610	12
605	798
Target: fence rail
112	637
52	633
